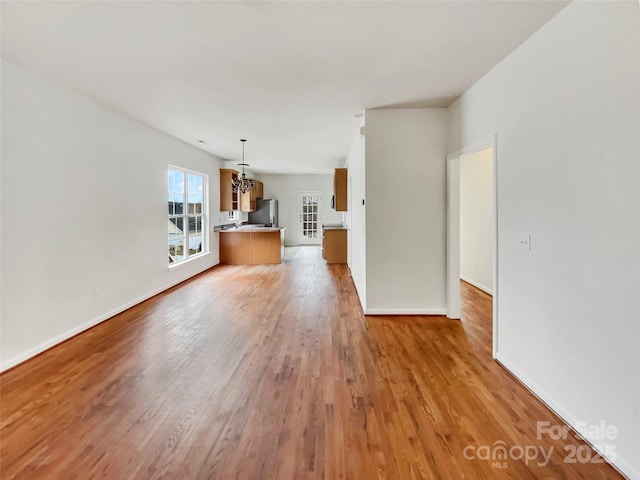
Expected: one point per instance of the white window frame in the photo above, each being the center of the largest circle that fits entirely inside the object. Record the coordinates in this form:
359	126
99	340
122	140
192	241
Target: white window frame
204	215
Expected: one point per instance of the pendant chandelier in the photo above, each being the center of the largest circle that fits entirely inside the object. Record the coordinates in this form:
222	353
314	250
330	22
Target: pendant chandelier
242	184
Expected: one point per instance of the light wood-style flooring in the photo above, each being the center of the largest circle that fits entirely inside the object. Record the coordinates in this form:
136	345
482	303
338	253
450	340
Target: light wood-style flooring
273	372
303	254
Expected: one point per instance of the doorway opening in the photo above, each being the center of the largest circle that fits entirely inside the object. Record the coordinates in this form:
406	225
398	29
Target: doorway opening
472	254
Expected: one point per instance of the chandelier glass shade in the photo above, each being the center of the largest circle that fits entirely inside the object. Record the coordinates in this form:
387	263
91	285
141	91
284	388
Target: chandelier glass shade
242	184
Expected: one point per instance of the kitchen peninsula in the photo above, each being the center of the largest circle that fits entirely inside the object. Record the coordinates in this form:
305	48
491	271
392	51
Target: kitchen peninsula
252	245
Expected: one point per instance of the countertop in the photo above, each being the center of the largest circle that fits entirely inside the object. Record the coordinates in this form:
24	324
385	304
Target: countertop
334	227
245	229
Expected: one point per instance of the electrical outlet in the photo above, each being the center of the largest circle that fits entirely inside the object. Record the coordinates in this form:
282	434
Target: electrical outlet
97	295
525	242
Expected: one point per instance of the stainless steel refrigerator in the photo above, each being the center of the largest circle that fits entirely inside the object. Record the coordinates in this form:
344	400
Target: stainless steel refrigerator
266	212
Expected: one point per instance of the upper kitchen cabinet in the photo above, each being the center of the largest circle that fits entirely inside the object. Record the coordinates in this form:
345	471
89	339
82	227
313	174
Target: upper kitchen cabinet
229	200
339	201
259	189
248	200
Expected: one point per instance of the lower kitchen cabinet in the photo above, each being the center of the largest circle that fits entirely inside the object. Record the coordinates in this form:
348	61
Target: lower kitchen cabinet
257	246
334	245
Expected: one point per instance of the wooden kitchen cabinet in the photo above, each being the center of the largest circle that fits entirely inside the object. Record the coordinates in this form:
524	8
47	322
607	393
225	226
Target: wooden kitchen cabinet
248	200
265	247
229	200
259	189
334	245
235	248
340	190
258	246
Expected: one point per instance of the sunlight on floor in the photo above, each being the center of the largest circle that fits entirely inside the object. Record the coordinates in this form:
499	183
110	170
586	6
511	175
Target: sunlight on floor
303	254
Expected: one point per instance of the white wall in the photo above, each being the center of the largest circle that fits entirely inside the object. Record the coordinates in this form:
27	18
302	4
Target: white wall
285	188
83	210
406	216
355	217
476	219
565	108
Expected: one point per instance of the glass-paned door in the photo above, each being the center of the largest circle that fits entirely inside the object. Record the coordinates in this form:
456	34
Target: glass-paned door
309	221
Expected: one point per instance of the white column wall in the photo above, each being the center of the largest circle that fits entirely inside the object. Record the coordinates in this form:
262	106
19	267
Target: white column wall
406	211
355	217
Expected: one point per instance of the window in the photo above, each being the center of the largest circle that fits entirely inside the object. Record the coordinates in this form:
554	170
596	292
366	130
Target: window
187	200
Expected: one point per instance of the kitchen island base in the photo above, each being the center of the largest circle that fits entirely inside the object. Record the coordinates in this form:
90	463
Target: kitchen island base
252	246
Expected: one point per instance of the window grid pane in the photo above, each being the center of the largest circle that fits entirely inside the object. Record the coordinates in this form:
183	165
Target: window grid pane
186	214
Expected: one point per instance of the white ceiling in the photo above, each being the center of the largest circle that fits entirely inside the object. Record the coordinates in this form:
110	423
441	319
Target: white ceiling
287	76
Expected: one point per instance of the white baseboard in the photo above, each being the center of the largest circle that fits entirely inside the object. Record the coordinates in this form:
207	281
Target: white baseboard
405	311
477	285
32	352
620	464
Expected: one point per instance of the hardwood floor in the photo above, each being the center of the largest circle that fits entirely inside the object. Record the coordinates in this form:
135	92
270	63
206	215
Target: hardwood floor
256	372
303	254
